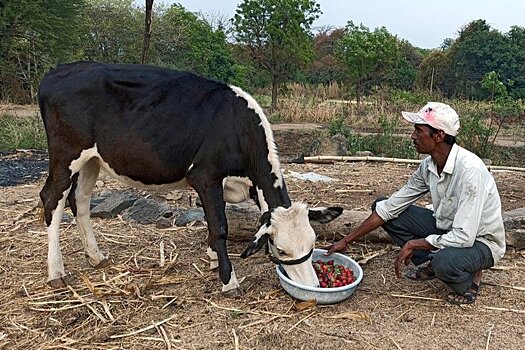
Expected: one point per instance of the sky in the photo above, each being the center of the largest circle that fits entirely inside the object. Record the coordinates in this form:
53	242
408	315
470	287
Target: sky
424	23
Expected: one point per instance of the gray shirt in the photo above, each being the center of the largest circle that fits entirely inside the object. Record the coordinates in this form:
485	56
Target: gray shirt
465	199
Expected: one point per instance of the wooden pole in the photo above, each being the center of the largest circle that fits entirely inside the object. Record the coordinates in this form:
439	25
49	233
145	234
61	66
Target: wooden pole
147	31
325	159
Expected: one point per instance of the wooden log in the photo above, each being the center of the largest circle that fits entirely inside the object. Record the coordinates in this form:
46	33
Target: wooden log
243	224
341	226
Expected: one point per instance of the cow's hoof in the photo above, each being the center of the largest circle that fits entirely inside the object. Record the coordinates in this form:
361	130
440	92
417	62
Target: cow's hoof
57	283
103	263
233	293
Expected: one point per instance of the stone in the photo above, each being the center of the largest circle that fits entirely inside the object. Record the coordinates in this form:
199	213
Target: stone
147	211
187	216
113	204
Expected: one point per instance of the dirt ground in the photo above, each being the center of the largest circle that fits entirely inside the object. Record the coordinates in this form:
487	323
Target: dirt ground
144	302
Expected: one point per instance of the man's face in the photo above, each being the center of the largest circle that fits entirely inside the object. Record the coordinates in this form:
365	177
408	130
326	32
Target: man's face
423	138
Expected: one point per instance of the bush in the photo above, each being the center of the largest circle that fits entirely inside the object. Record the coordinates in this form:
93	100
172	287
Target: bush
22	133
384	143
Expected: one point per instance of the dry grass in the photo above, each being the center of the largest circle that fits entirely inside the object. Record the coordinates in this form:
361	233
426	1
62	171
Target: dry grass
146	301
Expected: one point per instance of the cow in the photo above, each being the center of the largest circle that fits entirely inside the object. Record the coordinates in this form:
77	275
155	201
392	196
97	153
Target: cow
157	128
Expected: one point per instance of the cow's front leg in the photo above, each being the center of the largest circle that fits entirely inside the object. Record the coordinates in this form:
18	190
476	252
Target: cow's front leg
214	209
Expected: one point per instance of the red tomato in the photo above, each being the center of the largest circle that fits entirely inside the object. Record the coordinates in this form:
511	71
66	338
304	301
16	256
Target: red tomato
333	275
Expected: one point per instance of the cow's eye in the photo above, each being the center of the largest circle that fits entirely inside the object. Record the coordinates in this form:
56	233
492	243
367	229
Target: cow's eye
281	252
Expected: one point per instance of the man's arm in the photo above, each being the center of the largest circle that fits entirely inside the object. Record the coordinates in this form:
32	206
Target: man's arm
367	226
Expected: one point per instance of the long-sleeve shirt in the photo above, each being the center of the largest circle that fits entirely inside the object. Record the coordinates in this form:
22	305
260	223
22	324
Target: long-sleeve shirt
465	199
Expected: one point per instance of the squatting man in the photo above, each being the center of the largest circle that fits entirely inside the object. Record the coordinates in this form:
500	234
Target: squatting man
464	233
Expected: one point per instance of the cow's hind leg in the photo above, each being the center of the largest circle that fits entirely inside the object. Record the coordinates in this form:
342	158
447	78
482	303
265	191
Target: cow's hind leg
80	198
53	196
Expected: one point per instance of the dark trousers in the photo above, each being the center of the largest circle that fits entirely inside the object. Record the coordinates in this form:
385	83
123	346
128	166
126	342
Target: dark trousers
454	266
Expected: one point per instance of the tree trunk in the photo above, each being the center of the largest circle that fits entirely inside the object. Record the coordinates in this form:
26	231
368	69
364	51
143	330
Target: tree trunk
357	95
275	86
147	31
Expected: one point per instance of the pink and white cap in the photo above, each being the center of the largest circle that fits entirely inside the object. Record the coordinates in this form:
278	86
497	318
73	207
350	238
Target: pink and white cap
438	115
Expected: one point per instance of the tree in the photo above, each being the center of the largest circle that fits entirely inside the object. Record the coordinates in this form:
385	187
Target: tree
189	43
113	31
277	35
404	74
478	50
459	68
325	68
35	36
514	69
503	108
435	73
368	56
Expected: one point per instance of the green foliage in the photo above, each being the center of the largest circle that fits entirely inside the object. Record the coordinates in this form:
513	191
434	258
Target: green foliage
404	74
478	50
389	143
474	134
264	100
113	31
503	108
277	35
274	45
326	67
435	73
492	83
459	67
368	57
404	98
339	126
22	133
275	117
35	35
514	69
384	143
189	43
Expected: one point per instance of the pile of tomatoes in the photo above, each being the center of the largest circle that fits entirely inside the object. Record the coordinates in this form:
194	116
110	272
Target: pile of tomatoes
332	275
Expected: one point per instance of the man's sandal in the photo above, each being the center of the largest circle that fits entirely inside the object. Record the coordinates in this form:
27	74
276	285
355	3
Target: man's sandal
423	273
464	299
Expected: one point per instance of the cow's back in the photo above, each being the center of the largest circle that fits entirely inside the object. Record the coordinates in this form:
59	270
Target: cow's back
160	119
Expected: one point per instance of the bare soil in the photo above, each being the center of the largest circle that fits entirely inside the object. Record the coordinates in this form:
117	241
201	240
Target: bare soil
143	301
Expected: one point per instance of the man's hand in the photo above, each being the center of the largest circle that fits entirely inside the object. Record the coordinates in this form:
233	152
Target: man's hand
371	223
408	250
338	246
403	257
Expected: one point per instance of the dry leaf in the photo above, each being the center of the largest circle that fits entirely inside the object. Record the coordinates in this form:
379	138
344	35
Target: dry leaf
303	305
271	294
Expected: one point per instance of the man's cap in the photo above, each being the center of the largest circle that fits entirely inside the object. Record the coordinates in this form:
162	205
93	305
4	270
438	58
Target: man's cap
436	114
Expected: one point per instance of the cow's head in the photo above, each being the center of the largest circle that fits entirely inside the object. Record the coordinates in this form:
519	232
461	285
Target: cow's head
291	239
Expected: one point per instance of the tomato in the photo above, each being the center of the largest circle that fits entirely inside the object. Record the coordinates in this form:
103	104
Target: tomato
332	275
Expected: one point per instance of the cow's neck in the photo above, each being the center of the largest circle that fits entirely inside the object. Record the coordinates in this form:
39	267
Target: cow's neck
270	197
263	165
266	175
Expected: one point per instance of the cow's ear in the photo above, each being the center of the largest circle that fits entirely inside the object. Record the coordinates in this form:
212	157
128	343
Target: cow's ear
255	245
324	215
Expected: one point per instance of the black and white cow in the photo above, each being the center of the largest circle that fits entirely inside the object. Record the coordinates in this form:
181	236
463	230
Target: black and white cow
159	129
